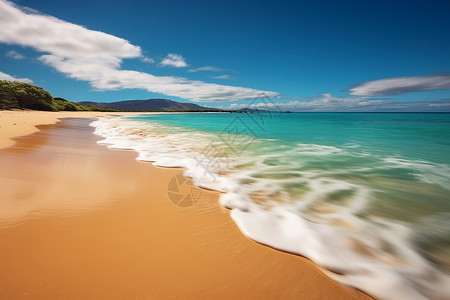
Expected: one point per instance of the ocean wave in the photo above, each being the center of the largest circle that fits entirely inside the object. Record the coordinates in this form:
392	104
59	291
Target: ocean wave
306	199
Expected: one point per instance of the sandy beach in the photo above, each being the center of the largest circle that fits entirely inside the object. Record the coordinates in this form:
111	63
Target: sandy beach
15	123
80	221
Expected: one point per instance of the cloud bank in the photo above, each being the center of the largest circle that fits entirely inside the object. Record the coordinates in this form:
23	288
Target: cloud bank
95	57
4	76
329	103
401	85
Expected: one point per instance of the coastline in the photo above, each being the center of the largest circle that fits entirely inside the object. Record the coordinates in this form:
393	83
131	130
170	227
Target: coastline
93	223
15	123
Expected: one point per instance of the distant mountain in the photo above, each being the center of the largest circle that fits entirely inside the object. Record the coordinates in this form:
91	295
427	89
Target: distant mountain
150	105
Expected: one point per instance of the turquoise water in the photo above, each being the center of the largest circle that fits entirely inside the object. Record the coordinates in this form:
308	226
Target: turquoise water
409	135
367	194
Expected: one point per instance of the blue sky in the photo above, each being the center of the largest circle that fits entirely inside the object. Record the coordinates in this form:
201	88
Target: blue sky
304	55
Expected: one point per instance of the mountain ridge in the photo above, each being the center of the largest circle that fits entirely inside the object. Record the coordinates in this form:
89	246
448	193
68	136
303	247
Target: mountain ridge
149	105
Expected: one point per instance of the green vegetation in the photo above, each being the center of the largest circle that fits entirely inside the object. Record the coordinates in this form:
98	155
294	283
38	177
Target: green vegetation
63	104
20	95
23	95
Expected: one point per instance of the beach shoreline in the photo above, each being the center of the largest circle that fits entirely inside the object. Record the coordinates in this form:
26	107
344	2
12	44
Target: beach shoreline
15	123
93	223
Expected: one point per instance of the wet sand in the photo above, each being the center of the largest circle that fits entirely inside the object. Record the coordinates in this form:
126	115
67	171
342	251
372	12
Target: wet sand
79	221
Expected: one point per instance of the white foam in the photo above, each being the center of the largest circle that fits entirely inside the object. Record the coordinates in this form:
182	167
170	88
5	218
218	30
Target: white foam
435	173
371	254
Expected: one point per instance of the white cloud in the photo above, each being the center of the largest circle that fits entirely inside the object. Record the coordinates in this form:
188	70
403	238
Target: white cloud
438	104
173	60
14	54
401	85
60	38
4	76
206	68
222	77
147	60
96	57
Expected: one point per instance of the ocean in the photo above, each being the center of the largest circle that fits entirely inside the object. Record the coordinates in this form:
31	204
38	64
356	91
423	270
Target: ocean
366	196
